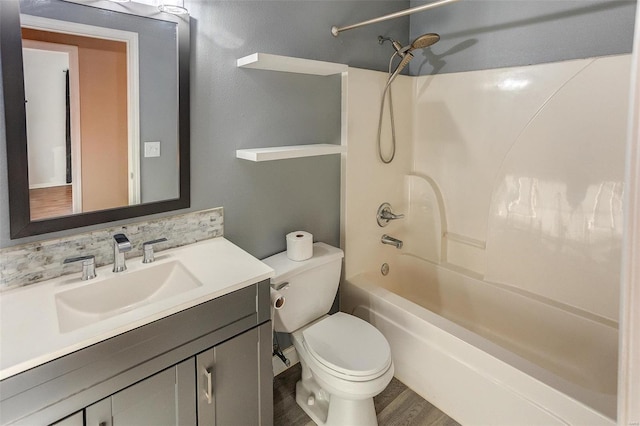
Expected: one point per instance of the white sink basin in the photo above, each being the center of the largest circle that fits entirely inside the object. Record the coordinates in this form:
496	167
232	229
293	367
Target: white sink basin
64	314
120	293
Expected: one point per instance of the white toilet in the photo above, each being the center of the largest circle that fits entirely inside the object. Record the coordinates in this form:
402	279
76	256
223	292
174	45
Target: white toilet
345	360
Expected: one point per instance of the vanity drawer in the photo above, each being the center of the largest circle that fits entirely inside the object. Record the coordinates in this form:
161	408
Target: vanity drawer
69	383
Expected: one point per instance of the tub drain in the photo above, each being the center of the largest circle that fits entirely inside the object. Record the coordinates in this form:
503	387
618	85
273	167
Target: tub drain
384	269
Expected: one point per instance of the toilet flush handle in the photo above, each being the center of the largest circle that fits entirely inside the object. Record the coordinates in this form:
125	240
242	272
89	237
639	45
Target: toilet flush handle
280	286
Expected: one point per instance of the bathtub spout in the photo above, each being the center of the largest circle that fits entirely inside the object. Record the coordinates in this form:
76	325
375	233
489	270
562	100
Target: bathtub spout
386	239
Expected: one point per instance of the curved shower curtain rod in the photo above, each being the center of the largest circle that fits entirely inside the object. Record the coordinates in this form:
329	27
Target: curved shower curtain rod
335	30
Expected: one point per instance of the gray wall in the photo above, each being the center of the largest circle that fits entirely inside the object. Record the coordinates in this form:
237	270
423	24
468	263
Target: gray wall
235	108
482	34
241	108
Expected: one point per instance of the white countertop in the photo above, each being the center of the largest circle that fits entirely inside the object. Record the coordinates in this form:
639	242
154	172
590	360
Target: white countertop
29	332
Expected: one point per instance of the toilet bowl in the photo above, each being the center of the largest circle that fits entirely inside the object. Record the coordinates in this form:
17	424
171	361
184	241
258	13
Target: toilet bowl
340	378
345	360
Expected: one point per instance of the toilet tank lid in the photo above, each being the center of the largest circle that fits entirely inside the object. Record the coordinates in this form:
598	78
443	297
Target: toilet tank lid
285	267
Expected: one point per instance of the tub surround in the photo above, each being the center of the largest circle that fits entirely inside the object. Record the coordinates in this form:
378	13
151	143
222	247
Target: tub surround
512	179
558	196
369	182
535	191
39	261
540	185
219	265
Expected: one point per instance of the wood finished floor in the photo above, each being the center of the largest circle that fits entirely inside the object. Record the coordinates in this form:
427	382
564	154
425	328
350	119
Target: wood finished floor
396	405
52	201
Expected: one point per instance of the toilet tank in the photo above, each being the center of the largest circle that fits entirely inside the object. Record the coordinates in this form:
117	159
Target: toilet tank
309	287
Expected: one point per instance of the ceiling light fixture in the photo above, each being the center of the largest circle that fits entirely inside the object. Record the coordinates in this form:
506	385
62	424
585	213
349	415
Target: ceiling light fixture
173	6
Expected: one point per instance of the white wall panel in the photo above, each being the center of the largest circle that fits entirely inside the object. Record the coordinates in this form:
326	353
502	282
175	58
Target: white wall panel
555	224
370	182
530	160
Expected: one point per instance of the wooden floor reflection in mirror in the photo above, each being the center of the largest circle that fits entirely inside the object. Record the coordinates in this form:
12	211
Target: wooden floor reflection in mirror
52	201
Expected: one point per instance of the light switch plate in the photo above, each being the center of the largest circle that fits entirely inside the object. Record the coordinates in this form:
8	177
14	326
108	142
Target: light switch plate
152	149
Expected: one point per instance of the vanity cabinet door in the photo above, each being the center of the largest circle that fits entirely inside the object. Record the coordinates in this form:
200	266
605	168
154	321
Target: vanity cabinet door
232	389
166	398
99	414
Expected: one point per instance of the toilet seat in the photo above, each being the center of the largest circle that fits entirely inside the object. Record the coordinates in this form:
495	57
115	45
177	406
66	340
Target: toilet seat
347	347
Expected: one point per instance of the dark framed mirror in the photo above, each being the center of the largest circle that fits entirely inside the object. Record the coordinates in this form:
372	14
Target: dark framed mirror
116	140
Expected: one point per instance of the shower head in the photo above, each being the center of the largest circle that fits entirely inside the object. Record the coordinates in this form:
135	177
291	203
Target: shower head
405	54
424	40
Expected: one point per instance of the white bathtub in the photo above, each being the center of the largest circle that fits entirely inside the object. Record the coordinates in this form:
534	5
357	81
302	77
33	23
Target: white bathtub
485	354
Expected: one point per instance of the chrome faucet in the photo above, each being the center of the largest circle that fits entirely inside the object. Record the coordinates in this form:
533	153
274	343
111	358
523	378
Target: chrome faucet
88	266
121	245
386	239
147	250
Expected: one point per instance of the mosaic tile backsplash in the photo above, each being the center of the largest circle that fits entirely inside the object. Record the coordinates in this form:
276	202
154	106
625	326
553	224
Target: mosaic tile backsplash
33	262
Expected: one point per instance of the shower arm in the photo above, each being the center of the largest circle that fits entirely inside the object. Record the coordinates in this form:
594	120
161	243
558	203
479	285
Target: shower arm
335	30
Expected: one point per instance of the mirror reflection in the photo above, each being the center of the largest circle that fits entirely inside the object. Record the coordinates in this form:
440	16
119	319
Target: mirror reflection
101	92
76	90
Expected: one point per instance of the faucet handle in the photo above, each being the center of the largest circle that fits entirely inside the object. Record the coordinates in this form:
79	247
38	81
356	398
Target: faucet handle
385	215
147	250
88	265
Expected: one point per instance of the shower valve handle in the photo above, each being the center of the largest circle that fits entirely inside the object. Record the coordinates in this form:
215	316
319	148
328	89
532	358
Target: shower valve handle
391	216
385	215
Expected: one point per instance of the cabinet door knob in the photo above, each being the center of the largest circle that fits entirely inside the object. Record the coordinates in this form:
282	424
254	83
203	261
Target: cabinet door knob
209	391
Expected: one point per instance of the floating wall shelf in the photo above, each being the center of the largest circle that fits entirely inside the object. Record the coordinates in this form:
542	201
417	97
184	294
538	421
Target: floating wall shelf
265	61
292	151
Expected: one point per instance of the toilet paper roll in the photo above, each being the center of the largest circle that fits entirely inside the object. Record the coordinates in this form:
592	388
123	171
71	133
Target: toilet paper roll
277	300
299	246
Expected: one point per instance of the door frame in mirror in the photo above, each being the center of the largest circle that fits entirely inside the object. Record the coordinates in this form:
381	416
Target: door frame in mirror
20	221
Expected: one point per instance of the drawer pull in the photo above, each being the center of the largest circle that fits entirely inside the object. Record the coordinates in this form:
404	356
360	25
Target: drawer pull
209	392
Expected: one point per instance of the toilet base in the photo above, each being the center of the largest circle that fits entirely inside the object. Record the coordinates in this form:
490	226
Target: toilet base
331	410
334	400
